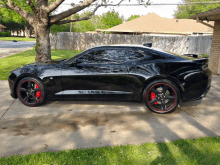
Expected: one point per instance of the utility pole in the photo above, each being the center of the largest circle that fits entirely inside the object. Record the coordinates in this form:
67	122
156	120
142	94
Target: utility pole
71	24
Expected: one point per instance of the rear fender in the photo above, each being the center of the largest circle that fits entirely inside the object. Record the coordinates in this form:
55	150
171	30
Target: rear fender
174	80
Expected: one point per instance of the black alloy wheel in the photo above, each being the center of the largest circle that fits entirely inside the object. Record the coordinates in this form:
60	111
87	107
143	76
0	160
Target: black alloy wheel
161	96
30	92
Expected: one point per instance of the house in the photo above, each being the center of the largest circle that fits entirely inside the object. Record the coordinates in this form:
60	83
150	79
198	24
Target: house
91	32
2	28
212	15
154	24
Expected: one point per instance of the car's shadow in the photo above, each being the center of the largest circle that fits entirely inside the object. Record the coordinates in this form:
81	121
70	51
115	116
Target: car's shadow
94	102
190	103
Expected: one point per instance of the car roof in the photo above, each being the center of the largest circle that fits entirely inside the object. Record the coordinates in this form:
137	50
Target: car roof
133	45
122	45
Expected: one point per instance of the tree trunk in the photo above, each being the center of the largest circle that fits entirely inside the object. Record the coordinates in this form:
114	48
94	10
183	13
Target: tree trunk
23	32
31	31
27	31
43	52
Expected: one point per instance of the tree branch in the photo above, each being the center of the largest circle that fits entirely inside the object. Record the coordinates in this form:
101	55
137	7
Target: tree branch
54	5
26	15
79	19
70	12
29	2
2	6
72	20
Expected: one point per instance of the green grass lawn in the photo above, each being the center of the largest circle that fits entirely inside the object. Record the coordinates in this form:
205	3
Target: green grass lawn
17	38
202	151
204	55
15	61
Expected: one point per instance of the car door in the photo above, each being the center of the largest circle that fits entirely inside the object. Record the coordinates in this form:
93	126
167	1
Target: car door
98	74
139	70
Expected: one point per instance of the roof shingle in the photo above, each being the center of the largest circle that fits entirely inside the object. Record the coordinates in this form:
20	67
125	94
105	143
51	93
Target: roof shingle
153	23
1	26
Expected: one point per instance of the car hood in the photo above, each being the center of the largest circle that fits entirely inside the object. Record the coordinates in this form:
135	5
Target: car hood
38	67
46	63
43	63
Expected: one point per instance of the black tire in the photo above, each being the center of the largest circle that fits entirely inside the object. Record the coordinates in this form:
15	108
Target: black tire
31	92
161	96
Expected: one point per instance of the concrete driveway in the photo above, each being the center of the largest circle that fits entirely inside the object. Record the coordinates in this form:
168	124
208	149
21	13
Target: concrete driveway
8	48
63	125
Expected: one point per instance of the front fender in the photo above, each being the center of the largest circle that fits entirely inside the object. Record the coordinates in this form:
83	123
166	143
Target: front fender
50	77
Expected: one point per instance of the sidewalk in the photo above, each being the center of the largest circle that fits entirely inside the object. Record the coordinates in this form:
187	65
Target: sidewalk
63	125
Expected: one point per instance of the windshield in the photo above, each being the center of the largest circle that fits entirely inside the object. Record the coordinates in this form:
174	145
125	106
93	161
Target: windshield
72	59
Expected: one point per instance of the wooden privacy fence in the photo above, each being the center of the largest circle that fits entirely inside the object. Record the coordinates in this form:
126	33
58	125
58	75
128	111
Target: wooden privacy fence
176	44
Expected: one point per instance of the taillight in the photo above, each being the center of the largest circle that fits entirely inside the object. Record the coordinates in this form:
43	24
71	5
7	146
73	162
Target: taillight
204	66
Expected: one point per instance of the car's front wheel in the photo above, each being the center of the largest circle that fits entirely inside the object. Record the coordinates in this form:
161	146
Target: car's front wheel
161	96
31	92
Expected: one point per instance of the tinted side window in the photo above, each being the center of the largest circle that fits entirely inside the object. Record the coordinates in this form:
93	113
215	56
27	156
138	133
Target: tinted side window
135	55
160	55
105	56
86	58
109	56
100	57
112	56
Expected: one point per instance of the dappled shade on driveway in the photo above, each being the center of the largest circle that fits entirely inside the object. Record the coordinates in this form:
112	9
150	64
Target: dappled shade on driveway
63	125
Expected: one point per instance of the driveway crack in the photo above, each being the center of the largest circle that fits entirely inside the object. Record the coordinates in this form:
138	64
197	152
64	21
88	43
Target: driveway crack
7	109
199	120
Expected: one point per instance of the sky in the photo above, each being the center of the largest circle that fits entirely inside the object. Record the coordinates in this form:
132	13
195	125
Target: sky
162	10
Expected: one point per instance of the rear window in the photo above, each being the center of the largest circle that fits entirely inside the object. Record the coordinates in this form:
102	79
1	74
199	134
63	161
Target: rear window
168	55
194	56
159	55
188	56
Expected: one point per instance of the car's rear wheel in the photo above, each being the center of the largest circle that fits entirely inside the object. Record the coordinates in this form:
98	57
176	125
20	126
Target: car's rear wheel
31	92
161	96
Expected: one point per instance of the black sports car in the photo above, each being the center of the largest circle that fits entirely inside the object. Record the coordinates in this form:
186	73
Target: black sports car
116	72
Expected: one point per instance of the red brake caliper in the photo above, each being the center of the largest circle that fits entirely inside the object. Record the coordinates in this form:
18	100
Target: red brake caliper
38	92
153	96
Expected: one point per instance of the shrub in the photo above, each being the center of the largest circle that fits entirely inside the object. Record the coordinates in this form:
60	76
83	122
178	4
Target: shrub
5	34
60	28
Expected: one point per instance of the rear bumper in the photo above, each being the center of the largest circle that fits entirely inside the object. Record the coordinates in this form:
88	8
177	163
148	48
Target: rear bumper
209	76
197	86
204	94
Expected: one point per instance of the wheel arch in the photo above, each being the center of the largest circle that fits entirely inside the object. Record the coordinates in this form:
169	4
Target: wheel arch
23	76
170	78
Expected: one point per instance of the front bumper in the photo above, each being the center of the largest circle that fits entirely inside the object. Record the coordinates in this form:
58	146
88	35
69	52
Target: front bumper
11	82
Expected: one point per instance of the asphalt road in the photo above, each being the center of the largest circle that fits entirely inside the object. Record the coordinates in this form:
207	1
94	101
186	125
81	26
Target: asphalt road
8	48
19	44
